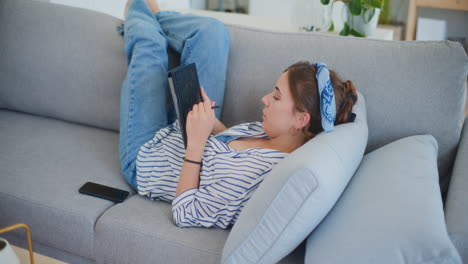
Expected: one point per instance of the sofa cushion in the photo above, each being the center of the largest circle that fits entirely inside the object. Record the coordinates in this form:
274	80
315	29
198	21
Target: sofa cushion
43	164
148	224
59	59
297	194
391	211
141	230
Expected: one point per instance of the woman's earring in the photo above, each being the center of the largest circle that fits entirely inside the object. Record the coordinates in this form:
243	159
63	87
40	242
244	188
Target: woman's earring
294	131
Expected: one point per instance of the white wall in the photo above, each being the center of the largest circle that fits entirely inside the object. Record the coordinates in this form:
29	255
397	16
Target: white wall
198	4
116	7
296	12
457	21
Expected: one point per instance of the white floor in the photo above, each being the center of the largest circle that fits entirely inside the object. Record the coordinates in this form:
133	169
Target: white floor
24	257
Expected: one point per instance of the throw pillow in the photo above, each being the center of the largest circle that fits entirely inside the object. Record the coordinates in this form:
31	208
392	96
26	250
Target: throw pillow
297	194
391	211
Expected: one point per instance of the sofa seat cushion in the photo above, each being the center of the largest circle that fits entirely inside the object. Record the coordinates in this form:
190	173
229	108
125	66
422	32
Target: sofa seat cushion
140	230
148	224
43	164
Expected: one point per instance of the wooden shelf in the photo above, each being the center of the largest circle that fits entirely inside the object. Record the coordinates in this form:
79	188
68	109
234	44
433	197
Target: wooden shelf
415	4
446	4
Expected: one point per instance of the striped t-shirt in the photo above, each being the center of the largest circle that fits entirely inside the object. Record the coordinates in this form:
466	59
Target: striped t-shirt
228	177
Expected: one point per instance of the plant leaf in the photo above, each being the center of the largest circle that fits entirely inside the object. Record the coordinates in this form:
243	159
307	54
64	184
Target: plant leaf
332	27
325	2
357	33
355	7
385	16
368	15
345	30
373	4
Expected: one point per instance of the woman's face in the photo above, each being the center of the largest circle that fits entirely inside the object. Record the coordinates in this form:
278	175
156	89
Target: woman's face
278	113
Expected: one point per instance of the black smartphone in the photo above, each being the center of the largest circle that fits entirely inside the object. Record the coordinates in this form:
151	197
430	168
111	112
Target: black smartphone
104	192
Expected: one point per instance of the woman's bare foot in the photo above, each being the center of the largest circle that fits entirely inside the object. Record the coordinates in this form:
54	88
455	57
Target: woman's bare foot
152	4
126	8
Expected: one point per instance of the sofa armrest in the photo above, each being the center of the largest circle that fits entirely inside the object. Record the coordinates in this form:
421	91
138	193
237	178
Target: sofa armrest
456	205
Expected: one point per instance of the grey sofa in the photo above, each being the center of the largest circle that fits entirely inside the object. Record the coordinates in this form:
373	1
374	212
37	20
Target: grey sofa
61	70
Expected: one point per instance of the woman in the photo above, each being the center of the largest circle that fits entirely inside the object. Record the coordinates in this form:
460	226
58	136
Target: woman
209	182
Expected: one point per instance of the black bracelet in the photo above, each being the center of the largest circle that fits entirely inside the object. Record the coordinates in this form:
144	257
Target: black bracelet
194	162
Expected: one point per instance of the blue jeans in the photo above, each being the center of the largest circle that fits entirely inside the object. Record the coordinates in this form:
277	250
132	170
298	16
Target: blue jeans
202	40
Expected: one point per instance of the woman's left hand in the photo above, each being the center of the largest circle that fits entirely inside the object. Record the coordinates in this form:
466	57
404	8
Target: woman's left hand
200	123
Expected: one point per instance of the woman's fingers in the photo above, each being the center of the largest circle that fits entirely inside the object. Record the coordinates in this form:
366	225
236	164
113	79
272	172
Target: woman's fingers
199	108
207	101
202	120
206	105
204	95
195	109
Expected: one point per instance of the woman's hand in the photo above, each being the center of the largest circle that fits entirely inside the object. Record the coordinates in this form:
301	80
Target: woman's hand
218	127
200	123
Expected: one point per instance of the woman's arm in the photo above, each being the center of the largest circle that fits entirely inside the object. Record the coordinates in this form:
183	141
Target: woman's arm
190	173
218	127
200	123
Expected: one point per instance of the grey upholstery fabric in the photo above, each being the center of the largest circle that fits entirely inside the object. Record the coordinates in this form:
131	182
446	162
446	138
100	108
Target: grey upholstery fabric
43	164
148	225
390	213
456	207
403	82
410	87
57	59
296	257
69	63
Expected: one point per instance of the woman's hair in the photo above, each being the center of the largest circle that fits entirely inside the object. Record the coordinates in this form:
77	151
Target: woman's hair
304	90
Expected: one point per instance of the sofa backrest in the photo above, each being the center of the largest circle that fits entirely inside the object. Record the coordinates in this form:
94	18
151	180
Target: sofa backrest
69	63
410	87
61	62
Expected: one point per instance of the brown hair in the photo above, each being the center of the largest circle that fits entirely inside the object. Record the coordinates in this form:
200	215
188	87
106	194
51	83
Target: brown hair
304	90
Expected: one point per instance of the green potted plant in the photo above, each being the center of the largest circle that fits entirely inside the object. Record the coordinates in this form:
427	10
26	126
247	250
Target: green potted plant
362	16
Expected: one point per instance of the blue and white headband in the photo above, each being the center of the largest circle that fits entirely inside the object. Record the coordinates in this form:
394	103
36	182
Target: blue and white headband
327	97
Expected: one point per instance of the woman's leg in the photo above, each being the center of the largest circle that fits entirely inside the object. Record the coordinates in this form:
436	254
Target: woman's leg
143	94
204	41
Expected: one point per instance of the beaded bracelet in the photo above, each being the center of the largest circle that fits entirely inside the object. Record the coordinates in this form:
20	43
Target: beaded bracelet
194	162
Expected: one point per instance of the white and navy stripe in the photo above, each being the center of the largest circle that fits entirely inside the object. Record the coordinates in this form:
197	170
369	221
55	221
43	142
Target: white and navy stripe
227	180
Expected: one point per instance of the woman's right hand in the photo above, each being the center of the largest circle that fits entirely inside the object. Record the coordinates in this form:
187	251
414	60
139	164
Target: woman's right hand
200	123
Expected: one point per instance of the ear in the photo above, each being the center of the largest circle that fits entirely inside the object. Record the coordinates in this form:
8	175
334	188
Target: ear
302	119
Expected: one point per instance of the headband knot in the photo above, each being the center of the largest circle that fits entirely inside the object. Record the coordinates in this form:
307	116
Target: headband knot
327	97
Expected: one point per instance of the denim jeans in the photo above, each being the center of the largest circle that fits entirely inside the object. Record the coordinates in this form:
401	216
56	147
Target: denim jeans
200	40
